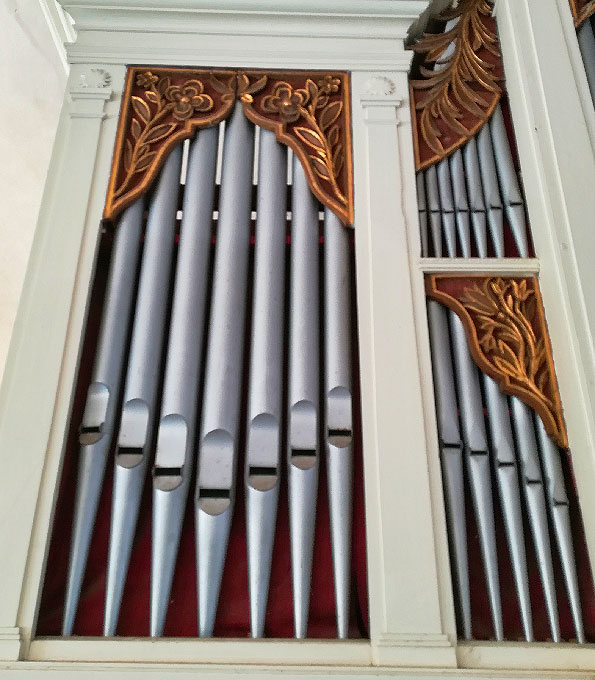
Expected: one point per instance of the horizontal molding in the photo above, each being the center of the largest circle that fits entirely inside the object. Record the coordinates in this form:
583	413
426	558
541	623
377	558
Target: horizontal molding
216	651
513	266
565	657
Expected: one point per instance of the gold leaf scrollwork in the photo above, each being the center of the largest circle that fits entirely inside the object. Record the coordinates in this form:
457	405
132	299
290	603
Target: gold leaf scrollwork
508	338
458	90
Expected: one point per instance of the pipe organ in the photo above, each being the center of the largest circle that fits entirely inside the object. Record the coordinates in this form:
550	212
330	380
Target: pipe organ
503	446
221	361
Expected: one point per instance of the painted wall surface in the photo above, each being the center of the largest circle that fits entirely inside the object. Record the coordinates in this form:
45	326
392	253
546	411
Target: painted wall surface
32	79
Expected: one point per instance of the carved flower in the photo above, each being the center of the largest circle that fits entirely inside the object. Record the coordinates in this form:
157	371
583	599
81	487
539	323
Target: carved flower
188	98
146	79
329	85
285	101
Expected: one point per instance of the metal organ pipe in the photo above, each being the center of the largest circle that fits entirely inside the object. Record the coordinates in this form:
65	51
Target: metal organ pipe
586	43
99	417
218	442
477	462
451	457
475	193
303	392
176	429
135	437
265	391
338	407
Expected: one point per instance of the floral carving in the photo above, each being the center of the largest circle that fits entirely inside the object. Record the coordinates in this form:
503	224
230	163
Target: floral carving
161	107
309	116
582	10
459	84
508	338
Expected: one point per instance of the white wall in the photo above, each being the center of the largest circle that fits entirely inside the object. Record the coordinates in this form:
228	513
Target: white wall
32	78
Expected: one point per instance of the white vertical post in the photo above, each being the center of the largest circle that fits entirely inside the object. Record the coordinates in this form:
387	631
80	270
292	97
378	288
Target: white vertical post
405	610
43	318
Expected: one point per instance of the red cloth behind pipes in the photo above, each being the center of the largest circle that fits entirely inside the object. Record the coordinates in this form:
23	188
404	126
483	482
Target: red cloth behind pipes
233	611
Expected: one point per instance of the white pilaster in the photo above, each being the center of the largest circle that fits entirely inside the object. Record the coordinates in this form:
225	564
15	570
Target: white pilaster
405	608
27	400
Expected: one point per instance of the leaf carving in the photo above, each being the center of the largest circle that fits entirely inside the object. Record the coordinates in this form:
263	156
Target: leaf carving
145	161
320	167
311	138
330	114
135	128
127	155
160	132
141	109
508	338
457	87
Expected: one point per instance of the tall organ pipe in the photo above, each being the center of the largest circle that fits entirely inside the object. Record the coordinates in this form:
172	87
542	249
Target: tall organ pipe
451	457
303	392
99	417
177	424
557	500
478	463
533	489
338	407
265	390
135	438
505	469
218	442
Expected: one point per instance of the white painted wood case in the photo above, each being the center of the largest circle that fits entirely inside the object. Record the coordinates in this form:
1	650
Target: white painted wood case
412	629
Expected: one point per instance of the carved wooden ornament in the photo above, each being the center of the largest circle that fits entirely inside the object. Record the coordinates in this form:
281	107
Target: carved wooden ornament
458	91
163	106
581	10
508	339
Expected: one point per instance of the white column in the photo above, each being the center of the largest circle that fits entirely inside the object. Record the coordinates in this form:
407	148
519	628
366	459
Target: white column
405	602
552	127
28	397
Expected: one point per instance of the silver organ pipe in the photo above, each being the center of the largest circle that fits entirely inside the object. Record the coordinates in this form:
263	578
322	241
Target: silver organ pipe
476	200
303	392
265	391
461	204
218	441
447	206
434	209
135	437
99	418
533	489
451	457
477	463
506	472
511	193
557	500
423	213
338	393
175	439
491	189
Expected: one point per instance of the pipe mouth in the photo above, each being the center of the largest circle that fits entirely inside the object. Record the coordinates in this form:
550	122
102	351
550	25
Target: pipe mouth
304	459
262	478
214	501
167	479
340	438
90	435
129	456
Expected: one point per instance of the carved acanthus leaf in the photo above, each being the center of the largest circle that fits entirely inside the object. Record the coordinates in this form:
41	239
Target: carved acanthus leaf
459	87
508	338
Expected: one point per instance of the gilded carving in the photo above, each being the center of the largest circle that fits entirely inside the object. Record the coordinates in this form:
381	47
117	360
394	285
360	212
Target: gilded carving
581	10
309	113
507	334
459	87
161	107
